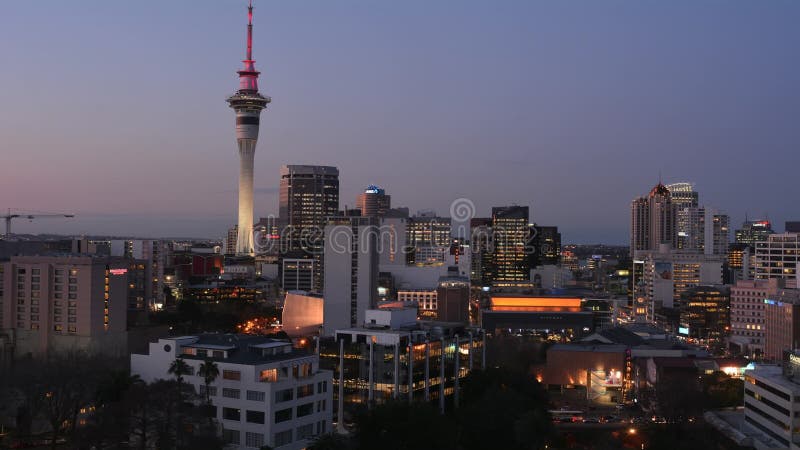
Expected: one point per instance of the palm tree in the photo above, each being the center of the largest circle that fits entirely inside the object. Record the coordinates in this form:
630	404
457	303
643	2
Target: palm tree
209	371
179	368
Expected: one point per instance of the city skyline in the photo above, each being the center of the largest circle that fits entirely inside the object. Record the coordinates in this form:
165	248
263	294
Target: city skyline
503	108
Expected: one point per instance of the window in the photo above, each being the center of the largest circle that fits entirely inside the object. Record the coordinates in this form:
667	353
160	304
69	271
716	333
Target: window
305	391
36	272
231	414
232	375
283	438
230	436
58	328
302	370
321	405
256	396
72	329
304	410
73	288
305	432
284	395
230	393
269	375
255	440
322	386
283	415
212	390
255	416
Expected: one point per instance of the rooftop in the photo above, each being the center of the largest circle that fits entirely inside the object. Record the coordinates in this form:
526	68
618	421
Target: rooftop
242	348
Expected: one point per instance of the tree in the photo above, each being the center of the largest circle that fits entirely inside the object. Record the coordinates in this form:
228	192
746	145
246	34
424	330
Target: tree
503	409
330	441
209	371
179	368
387	427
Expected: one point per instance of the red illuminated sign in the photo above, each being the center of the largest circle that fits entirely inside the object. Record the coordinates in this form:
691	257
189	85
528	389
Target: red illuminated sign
118	271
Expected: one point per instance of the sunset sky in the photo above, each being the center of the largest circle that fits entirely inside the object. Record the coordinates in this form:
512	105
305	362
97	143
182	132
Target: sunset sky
115	110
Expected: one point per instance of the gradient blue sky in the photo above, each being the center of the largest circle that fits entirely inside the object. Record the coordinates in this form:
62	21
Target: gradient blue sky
116	110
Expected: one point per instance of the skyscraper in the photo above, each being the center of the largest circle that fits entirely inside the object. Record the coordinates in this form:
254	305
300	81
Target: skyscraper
373	202
511	233
683	195
248	103
753	231
308	196
653	220
350	281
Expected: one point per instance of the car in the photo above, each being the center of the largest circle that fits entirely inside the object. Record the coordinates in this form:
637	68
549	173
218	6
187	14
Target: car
590	420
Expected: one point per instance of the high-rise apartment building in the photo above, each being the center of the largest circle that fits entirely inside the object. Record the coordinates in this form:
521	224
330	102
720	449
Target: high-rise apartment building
747	313
155	254
373	202
511	256
703	230
653	221
778	257
66	302
350	280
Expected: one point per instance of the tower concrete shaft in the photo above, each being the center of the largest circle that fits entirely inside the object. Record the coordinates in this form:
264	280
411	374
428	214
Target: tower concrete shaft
248	103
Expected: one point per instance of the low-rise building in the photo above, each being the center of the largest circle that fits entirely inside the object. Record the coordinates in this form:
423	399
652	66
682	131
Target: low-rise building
267	393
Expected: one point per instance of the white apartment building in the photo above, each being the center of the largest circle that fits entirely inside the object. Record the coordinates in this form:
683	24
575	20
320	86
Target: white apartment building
772	406
267	393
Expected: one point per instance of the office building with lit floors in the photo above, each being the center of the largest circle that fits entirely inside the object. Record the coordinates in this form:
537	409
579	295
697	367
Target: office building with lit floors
374	202
778	257
267	393
62	303
510	257
392	356
772	405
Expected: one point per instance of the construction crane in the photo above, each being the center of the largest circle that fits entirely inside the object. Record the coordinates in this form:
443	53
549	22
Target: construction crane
10	216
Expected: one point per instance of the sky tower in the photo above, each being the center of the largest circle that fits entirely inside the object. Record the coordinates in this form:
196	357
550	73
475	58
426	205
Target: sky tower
248	103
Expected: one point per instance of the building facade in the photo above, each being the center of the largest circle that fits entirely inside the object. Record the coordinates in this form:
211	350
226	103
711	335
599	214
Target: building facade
58	303
653	221
511	255
778	257
748	325
350	277
267	393
374	202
